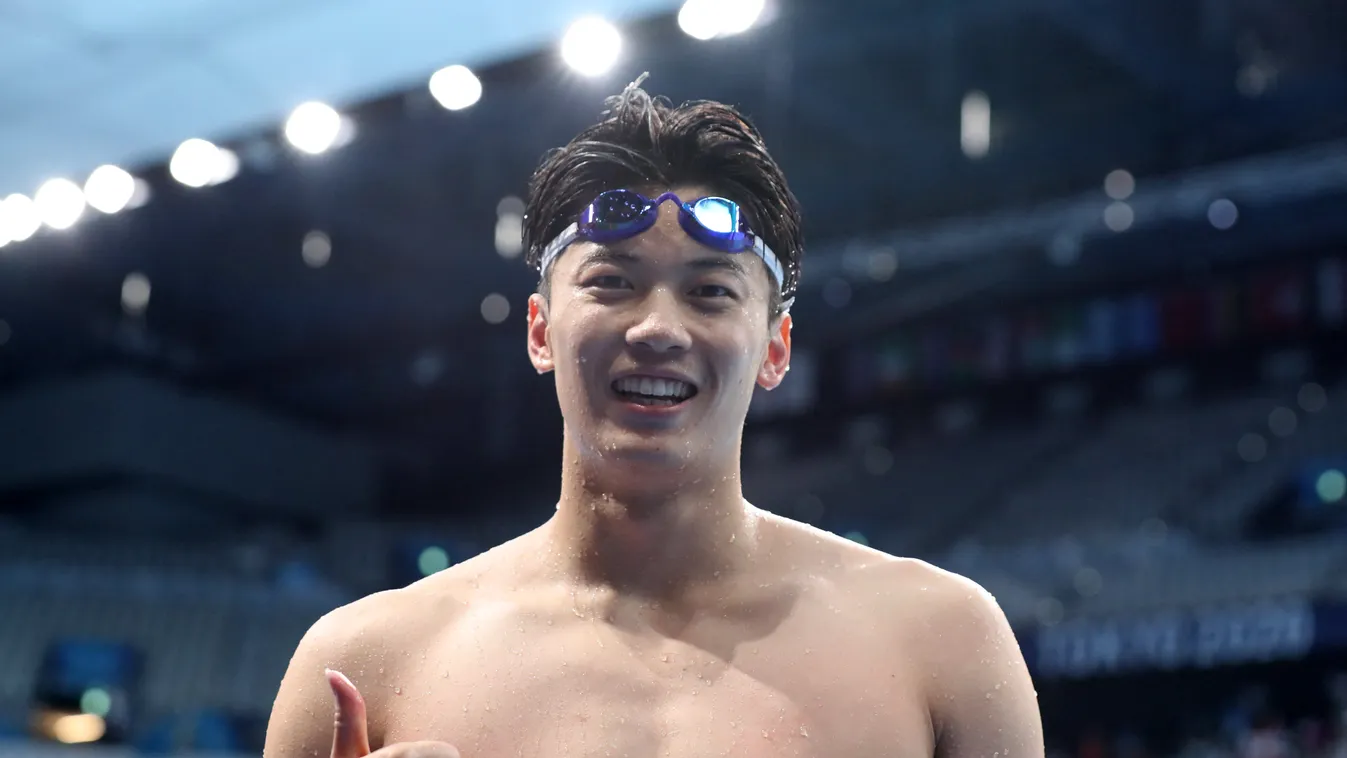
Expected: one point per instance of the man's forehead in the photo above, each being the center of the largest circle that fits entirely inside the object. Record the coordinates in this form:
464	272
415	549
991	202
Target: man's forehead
634	253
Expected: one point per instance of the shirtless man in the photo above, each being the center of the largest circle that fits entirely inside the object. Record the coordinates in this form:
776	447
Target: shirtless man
657	613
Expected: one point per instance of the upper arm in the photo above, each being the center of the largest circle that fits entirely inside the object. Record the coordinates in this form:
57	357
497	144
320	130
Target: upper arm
303	714
984	704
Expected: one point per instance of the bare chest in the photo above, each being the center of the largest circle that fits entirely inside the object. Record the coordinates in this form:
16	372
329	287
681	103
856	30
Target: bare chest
588	691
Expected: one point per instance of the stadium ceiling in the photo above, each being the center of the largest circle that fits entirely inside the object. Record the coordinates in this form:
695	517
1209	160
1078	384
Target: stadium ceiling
392	326
87	82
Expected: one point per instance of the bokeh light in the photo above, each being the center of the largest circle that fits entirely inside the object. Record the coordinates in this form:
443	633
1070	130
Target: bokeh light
455	87
60	203
316	249
109	189
313	127
19	218
495	308
135	293
591	46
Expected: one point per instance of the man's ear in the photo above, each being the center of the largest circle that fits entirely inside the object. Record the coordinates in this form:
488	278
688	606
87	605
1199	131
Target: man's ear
776	362
539	337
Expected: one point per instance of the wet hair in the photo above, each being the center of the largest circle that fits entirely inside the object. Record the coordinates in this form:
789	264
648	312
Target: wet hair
645	141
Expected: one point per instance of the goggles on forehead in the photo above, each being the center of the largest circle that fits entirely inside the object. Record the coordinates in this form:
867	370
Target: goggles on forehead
621	214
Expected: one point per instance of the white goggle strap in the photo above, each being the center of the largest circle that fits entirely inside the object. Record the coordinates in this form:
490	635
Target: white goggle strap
571	233
568	235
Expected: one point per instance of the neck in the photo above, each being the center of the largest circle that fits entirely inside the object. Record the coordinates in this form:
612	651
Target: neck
650	535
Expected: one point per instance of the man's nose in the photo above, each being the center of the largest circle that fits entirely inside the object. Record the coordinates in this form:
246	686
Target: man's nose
661	326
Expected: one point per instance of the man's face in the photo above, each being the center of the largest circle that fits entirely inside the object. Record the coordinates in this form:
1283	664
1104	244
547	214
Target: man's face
657	342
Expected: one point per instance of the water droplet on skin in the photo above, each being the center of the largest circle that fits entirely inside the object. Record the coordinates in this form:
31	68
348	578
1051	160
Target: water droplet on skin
381	670
998	685
664	658
989	696
804	732
397	690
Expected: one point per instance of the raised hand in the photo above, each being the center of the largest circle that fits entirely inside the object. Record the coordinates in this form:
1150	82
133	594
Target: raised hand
350	734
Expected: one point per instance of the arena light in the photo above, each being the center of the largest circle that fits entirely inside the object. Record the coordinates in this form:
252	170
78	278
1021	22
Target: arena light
739	16
19	218
60	203
591	46
198	163
455	87
705	19
313	127
109	189
975	131
699	19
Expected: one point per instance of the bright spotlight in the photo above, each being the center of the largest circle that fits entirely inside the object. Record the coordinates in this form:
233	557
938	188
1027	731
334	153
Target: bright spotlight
60	203
740	15
455	87
699	19
313	128
19	218
591	46
704	19
109	189
198	163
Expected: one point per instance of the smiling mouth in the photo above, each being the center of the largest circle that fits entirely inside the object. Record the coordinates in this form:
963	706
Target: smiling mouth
649	391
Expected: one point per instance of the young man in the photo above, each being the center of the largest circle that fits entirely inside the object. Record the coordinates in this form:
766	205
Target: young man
658	613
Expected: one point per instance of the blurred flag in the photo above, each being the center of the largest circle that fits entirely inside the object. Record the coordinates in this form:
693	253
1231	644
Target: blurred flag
1222	312
1068	336
1100	344
996	347
1183	319
1140	325
1276	301
894	364
1034	345
1332	295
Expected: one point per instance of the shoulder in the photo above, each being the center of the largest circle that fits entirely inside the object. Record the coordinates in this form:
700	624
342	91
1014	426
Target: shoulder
363	640
944	613
979	695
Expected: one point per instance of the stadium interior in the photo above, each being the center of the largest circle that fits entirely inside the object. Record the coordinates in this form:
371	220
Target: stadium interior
1071	324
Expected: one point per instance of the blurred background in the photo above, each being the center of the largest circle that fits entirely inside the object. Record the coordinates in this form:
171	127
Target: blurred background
1071	324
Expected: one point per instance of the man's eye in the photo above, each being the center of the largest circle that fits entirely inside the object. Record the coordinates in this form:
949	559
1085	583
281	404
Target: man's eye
713	291
607	281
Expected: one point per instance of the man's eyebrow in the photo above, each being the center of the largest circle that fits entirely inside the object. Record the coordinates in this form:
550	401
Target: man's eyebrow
728	262
606	255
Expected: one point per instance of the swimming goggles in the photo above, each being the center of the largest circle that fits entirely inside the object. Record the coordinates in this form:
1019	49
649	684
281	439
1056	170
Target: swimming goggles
621	214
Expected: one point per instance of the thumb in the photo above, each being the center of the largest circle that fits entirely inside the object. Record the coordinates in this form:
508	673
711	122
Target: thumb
350	736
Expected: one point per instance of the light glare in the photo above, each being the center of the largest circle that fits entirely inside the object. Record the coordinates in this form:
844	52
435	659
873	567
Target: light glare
591	46
60	203
739	16
705	19
198	163
699	19
313	127
19	218
109	189
455	87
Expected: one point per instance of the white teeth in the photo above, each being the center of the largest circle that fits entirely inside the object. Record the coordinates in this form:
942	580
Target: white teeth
653	387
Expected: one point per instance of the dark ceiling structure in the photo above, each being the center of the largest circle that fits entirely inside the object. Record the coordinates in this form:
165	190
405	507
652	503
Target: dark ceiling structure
861	102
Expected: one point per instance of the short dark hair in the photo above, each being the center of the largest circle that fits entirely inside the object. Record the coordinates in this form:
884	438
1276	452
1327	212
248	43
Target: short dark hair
645	141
